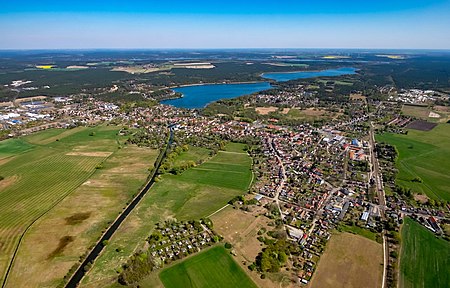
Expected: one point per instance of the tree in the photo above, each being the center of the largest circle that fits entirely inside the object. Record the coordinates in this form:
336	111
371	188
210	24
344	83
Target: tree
265	262
282	257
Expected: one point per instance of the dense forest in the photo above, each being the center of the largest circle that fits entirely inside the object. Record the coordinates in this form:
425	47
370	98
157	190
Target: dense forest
425	70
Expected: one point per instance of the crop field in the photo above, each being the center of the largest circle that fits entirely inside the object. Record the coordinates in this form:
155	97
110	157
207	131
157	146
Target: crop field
41	180
212	268
196	193
422	154
12	147
349	261
425	259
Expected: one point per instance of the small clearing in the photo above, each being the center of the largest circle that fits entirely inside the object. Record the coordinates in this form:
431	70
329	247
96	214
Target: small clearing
266	110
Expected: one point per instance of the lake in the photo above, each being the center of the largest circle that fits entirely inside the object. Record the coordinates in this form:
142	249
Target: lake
198	96
286	76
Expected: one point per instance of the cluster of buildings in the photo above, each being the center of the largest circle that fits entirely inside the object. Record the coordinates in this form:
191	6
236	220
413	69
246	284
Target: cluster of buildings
176	240
20	113
317	177
33	114
414	96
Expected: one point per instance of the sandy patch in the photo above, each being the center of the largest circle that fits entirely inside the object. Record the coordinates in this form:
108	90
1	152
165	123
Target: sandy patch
77	67
397	57
8	181
434	115
357	96
5	160
28	99
265	110
90	154
137	69
286	110
194	65
6	104
421	198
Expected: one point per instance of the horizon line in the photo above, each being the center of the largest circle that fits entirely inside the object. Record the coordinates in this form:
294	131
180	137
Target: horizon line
223	48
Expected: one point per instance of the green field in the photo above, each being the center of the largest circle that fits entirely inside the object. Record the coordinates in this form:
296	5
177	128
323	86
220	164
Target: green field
212	268
423	154
41	172
196	193
13	147
425	259
359	231
193	154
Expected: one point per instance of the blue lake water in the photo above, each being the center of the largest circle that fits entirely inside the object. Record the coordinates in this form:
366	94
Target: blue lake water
198	96
286	76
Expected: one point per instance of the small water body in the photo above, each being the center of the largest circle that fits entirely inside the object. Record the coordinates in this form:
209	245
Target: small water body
198	96
287	76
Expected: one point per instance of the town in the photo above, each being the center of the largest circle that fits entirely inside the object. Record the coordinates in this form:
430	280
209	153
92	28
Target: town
313	177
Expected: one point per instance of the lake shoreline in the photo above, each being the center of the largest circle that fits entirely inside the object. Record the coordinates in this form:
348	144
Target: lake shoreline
307	74
199	95
215	83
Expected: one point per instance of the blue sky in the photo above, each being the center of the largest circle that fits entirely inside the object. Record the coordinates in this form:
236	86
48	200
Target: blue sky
413	24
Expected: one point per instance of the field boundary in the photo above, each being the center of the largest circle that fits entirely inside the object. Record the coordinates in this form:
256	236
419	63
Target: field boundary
95	252
11	263
217	211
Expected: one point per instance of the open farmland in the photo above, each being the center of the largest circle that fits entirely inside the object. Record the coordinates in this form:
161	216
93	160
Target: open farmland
425	259
350	261
212	268
12	147
240	228
47	187
196	193
421	154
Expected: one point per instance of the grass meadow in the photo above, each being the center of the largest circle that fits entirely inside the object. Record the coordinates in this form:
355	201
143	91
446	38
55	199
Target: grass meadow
196	193
423	154
211	268
349	260
424	259
53	175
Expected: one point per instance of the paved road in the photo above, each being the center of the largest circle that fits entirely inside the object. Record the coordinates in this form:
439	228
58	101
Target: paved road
381	198
376	172
283	177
